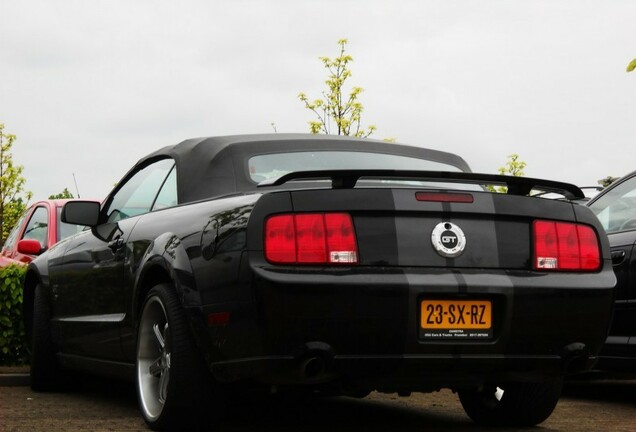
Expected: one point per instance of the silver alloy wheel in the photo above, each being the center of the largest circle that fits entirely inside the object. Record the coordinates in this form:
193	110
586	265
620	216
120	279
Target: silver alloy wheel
153	358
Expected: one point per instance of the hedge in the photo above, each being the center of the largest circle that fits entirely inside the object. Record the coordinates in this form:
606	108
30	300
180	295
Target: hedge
13	344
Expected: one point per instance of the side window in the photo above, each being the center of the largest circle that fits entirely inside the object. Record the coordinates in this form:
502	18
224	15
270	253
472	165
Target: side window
138	194
168	194
617	209
38	226
12	238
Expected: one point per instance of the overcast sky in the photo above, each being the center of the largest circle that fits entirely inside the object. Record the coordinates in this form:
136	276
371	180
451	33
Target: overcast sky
89	87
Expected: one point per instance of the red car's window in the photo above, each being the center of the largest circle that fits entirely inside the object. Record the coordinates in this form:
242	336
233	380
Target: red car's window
12	239
38	226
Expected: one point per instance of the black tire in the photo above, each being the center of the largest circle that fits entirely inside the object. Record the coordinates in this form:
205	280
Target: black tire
44	366
514	404
174	387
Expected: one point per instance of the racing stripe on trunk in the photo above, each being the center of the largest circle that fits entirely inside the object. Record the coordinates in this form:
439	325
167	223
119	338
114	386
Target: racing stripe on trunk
446	217
462	287
415	222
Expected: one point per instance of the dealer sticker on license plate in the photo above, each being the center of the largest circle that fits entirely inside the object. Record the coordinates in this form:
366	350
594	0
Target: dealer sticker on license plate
456	319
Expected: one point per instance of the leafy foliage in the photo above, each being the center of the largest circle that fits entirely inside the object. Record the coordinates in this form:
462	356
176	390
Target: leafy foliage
513	167
605	182
12	183
65	194
631	66
13	344
336	109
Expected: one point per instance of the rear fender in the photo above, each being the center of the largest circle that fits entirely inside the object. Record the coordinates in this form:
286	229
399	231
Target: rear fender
165	260
33	277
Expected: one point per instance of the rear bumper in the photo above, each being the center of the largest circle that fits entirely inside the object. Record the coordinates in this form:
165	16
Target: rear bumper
618	355
361	326
399	373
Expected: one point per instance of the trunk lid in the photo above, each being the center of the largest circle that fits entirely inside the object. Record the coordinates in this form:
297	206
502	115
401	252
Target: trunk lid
393	228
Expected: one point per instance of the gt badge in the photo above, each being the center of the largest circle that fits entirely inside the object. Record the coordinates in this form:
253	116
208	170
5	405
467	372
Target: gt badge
448	239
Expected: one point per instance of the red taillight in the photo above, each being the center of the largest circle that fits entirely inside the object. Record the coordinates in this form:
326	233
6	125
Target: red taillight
565	246
590	253
280	239
450	197
310	238
341	239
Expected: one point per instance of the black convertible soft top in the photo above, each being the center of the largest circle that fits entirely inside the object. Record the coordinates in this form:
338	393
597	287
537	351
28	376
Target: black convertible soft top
215	166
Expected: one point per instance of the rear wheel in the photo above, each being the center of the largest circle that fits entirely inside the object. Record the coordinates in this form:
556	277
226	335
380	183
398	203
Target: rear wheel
514	404
44	367
173	385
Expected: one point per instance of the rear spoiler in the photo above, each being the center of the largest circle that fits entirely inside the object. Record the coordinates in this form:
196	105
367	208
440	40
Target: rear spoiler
347	179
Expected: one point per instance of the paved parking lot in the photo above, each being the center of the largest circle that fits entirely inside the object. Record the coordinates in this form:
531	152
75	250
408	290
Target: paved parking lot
110	406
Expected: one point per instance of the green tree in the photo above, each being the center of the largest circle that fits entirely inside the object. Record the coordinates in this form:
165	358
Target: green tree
65	194
12	184
605	182
336	112
513	167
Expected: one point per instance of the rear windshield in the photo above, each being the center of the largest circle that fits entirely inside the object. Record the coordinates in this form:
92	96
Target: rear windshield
274	165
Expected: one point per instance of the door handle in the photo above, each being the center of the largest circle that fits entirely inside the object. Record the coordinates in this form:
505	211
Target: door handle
116	244
618	256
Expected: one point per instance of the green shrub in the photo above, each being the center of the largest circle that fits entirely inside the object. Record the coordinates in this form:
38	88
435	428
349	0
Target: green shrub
13	345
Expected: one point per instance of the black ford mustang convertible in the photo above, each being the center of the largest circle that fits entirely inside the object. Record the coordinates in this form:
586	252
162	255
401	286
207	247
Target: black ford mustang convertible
325	265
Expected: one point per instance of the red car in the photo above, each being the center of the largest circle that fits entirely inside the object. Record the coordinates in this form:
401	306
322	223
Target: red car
38	229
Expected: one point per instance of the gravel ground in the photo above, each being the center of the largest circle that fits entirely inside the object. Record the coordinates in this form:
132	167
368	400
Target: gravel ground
111	406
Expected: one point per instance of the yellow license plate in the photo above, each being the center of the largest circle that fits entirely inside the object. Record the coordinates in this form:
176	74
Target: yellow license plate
471	319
